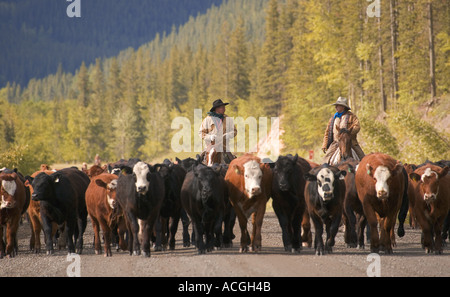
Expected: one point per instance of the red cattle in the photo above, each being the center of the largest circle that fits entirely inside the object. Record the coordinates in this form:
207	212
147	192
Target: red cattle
101	205
432	203
249	183
380	184
13	203
95	171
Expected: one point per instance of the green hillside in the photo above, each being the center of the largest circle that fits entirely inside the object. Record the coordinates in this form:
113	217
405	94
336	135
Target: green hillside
268	58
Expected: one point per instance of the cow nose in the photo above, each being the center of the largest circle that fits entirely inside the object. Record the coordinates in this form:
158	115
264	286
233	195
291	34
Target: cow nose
142	189
382	194
428	197
256	191
206	193
283	186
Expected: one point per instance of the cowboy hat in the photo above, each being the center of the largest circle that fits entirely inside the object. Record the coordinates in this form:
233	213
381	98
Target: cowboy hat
218	103
343	102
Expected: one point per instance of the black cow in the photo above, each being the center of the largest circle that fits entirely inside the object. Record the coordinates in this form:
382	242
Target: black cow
324	194
140	193
229	216
62	200
171	210
202	198
288	188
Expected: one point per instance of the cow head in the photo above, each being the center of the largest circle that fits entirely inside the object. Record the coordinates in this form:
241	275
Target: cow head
326	177
382	178
429	182
110	187
283	170
207	178
43	185
253	174
141	175
8	190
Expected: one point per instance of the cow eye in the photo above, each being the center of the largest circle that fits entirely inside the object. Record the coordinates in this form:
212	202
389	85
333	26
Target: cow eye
319	183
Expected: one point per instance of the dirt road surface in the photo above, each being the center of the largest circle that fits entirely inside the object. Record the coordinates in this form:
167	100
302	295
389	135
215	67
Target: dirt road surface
408	260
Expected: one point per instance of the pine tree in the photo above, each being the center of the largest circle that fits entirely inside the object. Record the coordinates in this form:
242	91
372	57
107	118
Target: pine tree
83	86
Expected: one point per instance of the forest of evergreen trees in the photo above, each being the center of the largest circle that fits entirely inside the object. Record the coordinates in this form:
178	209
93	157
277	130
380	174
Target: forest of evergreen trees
289	58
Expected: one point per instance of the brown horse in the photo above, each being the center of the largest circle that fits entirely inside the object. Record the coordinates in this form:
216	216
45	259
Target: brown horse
345	143
212	156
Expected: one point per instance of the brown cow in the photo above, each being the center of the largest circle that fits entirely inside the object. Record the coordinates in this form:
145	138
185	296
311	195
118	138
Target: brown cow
100	204
380	184
12	205
249	183
432	203
95	170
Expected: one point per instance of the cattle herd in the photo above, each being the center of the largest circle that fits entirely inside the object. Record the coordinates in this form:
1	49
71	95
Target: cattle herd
137	205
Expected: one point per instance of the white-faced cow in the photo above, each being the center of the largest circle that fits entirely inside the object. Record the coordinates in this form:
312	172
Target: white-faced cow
324	194
382	185
432	204
140	193
249	187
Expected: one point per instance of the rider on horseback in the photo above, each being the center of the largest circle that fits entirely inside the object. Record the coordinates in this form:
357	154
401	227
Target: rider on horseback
217	129
343	119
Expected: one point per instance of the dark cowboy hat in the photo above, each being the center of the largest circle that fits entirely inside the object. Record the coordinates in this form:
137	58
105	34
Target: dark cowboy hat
218	103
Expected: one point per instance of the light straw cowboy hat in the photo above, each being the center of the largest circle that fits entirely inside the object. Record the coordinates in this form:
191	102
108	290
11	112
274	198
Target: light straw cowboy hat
343	102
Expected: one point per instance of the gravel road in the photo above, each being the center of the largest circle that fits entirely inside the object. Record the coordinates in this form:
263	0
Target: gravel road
408	260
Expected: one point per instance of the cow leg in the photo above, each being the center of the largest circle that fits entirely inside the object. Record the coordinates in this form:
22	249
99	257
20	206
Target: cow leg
71	227
318	240
283	220
244	233
373	224
81	227
160	229
2	243
333	231
198	228
35	240
437	229
218	237
185	222
173	230
362	222
258	218
133	230
296	230
147	229
389	224
306	226
350	226
48	228
229	219
107	234
97	241
11	231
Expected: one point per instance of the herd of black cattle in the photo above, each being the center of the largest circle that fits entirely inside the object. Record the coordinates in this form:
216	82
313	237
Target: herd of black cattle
136	204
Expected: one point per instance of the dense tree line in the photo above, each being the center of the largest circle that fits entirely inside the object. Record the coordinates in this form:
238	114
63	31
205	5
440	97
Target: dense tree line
288	58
